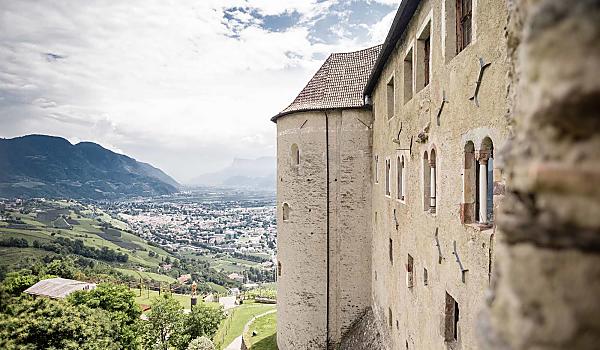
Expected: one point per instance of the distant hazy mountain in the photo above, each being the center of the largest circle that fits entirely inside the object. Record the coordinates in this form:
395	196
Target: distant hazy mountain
249	173
48	166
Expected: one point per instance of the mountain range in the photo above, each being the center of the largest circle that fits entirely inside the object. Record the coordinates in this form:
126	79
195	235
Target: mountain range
242	173
52	167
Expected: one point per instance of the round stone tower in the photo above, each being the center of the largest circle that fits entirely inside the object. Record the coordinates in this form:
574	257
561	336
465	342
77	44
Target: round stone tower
323	200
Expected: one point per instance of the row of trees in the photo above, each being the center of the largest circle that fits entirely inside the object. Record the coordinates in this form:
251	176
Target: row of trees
66	246
105	318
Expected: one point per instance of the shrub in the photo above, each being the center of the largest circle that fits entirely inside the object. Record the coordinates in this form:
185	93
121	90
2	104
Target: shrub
201	343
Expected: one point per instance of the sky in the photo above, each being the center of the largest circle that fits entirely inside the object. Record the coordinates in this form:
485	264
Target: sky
183	85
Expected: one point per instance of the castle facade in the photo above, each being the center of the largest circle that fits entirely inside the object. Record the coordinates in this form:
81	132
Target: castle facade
388	183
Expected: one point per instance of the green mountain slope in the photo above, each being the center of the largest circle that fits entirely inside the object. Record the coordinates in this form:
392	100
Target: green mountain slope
47	166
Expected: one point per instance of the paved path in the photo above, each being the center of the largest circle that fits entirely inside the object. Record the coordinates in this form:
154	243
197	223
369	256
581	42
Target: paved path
236	344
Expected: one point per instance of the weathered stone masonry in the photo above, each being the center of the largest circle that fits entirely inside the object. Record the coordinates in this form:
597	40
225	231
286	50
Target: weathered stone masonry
445	195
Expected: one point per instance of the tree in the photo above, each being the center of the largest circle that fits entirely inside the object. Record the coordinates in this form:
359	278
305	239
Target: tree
51	324
165	324
201	343
203	320
64	268
119	301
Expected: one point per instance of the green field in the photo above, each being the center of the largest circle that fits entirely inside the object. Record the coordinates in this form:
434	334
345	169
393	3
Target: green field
86	228
266	333
233	326
145	275
147	296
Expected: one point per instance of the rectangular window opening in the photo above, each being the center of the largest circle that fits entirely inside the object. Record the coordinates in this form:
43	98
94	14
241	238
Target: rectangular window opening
390	92
464	9
451	318
408	76
425	277
391	248
424	57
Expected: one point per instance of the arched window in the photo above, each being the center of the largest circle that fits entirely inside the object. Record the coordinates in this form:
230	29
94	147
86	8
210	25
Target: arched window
432	180
286	212
426	182
484	210
469	185
400	178
295	155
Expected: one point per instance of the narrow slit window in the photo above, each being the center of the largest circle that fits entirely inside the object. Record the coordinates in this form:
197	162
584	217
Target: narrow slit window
295	155
400	177
388	170
426	182
410	272
390	92
425	277
408	76
391	251
376	169
286	211
279	268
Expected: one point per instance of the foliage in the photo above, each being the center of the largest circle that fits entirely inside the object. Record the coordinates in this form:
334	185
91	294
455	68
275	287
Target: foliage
203	320
65	246
49	324
201	343
64	268
260	293
165	324
14	242
120	302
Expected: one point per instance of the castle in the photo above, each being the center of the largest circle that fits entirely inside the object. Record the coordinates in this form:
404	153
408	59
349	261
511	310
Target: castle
391	187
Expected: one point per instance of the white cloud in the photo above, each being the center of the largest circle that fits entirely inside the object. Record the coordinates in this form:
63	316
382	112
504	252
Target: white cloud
158	80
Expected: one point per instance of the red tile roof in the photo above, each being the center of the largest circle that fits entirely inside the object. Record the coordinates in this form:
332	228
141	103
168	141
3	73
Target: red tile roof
339	83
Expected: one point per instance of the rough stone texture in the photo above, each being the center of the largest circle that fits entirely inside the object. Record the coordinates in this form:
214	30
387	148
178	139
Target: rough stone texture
547	280
364	334
418	311
303	238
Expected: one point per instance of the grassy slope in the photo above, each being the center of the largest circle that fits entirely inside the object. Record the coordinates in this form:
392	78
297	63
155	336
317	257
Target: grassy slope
86	230
266	333
233	326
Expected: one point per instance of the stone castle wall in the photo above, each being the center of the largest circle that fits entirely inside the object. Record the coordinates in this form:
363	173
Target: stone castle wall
415	314
303	238
547	280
